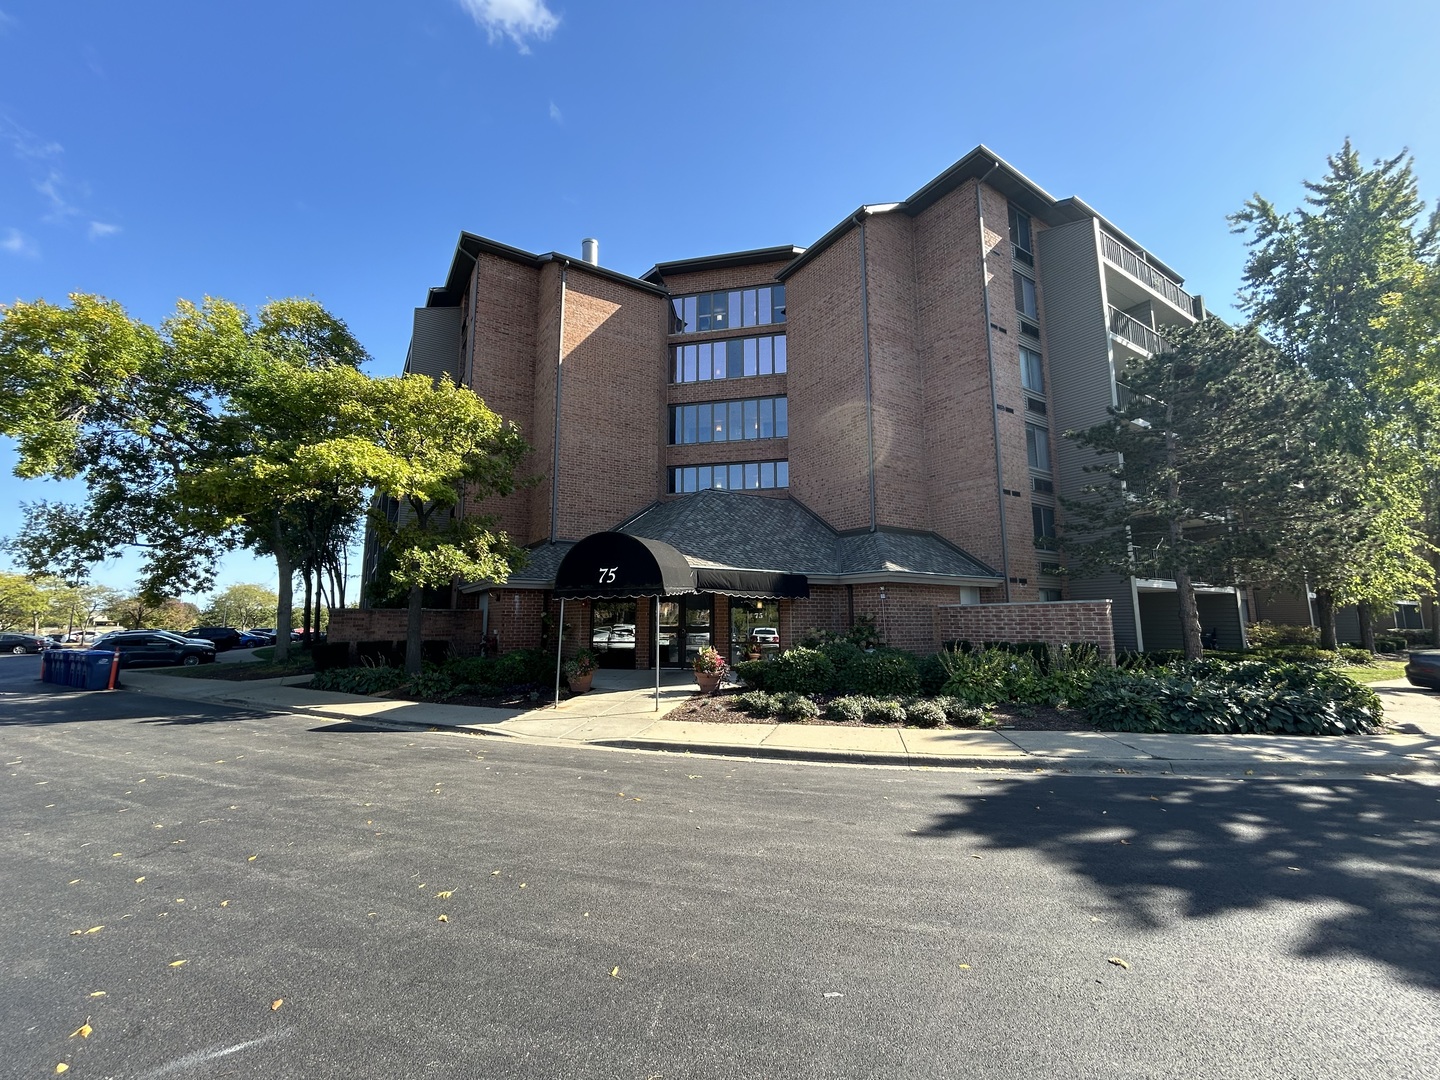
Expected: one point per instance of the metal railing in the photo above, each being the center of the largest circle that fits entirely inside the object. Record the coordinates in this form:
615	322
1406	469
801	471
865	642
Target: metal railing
1136	332
1135	266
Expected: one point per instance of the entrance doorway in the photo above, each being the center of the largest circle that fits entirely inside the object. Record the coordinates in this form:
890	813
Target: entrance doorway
760	616
686	627
612	632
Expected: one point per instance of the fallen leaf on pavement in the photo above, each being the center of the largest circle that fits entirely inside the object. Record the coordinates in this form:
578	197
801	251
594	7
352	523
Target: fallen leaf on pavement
1118	962
224	903
138	880
177	963
977	856
62	1067
964	967
75	882
276	1004
97	993
252	858
833	994
615	973
83	1031
443	918
446	894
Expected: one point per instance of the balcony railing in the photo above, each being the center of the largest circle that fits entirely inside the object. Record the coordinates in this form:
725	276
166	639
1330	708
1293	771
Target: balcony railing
1135	266
1136	332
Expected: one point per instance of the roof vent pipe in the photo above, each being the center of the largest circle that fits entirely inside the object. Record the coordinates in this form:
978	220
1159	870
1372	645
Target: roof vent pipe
590	250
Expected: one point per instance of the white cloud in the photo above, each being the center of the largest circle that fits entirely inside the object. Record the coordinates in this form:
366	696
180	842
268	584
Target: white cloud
6	22
518	20
53	188
99	230
555	113
17	243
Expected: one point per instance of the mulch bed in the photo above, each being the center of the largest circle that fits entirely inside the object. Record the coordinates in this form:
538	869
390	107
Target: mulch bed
717	709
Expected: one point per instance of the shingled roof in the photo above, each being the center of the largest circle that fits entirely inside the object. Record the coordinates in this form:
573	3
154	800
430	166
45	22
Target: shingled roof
736	530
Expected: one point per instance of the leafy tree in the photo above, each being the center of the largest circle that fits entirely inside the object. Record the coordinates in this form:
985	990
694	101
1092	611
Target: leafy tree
23	600
1344	286
141	610
433	446
1196	470
147	416
241	605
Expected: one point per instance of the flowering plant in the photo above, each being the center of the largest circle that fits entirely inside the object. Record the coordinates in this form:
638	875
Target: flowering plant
709	662
581	664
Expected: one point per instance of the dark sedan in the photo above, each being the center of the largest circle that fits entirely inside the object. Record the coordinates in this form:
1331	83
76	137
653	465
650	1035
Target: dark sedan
137	647
22	643
1424	669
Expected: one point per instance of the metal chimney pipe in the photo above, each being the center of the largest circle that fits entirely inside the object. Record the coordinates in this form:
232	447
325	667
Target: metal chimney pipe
590	250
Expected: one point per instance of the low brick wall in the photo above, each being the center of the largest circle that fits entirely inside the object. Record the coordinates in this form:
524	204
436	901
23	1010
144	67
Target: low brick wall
1064	623
462	629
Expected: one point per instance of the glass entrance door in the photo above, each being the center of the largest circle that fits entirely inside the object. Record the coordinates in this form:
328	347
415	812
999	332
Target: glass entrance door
612	632
686	627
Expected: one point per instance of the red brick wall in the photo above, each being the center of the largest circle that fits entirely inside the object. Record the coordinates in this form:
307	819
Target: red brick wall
612	403
829	453
502	370
463	629
1054	623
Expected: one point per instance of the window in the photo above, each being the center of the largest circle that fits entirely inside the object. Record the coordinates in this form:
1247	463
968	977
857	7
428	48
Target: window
1051	596
1037	447
739	476
1025	301
1044	519
761	306
1020	237
737	358
729	421
1032	370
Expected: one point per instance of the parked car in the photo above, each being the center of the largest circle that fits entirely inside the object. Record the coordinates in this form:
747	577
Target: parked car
1424	669
138	647
765	635
22	643
224	637
249	639
622	636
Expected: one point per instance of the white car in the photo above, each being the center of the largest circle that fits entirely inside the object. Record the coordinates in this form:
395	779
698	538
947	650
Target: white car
765	635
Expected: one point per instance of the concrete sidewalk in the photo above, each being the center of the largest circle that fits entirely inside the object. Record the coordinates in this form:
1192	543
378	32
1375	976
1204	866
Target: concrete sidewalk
620	711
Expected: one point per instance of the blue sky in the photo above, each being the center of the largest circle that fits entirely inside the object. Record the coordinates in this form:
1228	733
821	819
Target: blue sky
336	148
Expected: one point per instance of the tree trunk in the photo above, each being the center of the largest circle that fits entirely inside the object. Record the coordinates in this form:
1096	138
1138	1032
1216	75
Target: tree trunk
1367	626
309	632
1189	614
1325	617
286	570
413	628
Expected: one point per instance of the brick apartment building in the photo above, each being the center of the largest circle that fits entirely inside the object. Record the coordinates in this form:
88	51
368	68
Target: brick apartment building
792	437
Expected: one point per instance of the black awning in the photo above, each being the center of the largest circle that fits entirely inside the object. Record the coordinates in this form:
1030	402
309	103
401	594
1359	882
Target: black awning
617	564
757	583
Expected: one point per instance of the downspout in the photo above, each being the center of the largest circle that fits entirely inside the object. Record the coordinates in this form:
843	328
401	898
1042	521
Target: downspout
555	434
990	359
865	340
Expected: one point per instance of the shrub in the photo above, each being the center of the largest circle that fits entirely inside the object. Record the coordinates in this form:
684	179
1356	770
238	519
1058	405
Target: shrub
756	703
845	655
801	670
1356	656
754	673
432	684
472	671
1293	654
962	715
1218	697
1262	633
1390	643
931	673
358	680
524	667
847	710
884	711
795	707
924	714
885	673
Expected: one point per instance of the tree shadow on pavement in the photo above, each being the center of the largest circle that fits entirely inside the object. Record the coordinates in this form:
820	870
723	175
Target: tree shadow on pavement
1169	850
63	705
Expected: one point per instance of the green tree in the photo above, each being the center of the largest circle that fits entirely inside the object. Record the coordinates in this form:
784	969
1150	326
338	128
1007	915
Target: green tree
1195	472
435	446
23	600
141	610
243	605
144	415
1341	285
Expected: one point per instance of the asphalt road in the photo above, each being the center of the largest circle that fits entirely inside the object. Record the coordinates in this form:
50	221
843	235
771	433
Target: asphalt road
168	877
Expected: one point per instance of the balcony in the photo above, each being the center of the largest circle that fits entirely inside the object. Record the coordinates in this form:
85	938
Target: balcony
1136	333
1135	265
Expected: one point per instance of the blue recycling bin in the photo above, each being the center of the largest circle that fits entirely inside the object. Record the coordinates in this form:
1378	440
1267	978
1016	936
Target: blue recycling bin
84	669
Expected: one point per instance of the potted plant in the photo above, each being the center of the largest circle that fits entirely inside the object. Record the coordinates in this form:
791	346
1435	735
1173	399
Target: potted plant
579	670
710	668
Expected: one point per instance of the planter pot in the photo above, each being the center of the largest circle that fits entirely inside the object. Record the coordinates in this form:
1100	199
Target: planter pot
708	683
753	655
579	684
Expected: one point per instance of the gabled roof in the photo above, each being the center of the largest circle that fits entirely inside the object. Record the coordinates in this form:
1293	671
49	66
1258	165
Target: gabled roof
734	530
727	261
982	163
470	247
